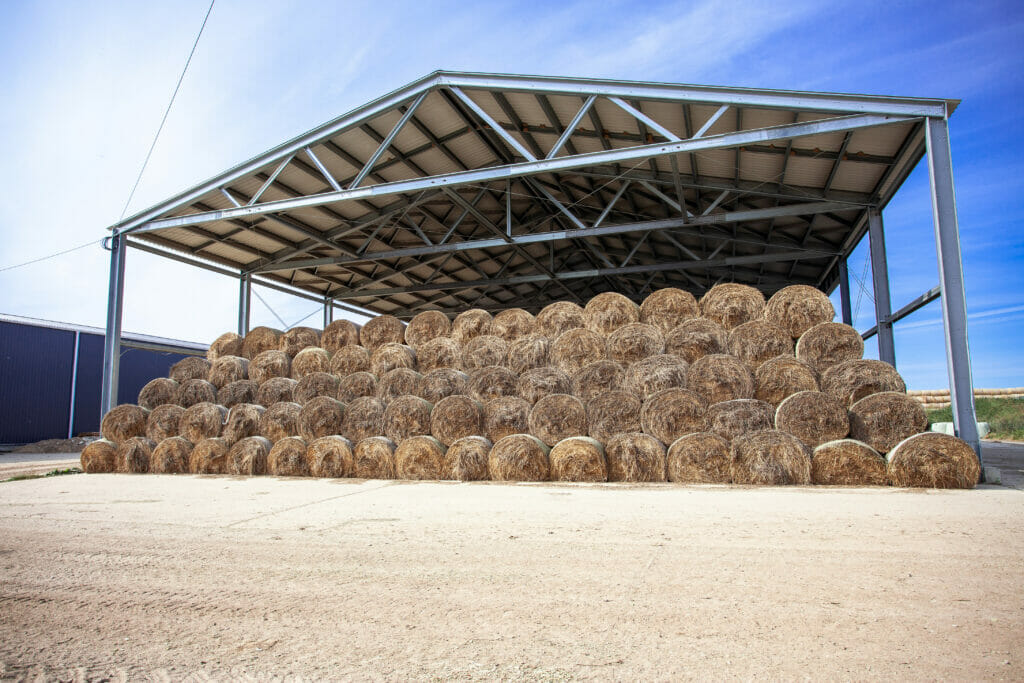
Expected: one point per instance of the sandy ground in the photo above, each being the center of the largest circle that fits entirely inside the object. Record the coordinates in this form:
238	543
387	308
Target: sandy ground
125	576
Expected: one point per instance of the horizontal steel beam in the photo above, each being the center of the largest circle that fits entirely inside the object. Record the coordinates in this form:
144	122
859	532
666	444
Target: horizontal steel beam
923	300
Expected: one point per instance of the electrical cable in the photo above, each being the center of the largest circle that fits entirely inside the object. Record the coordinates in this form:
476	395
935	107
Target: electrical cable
50	256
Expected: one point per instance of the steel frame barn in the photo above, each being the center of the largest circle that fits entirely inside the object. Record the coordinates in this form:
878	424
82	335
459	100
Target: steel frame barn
498	191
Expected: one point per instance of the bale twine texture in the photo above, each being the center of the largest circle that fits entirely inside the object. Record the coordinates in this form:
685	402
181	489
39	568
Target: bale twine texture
699	458
829	344
356	385
504	416
576	348
162	422
770	457
134	454
313	385
202	421
730	304
783	376
420	457
339	334
470	324
484	351
381	330
158	392
854	379
491	382
399	382
99	456
227	344
374	458
813	417
757	341
276	390
364	417
512	324
242	391
349	359
647	377
593	379
426	326
279	421
695	338
296	339
884	419
933	460
672	413
635	457
443	382
537	383
288	458
455	417
260	339
123	422
731	419
847	462
527	353
310	360
720	377
321	416
667	308
440	352
269	364
173	456
559	317
611	413
466	459
633	342
519	457
192	367
578	458
210	456
243	421
389	357
331	457
194	391
798	308
406	417
249	456
556	417
609	311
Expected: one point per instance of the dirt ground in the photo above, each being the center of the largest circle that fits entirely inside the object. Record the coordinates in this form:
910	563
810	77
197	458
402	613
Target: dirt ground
171	577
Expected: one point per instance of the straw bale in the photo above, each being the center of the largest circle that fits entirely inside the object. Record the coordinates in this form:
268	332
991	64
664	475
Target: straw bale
350	359
124	422
195	391
321	416
829	344
847	462
420	457
813	417
884	419
730	304
647	377
260	339
576	348
331	457
364	417
730	419
559	317
609	311
426	326
695	338
454	417
249	456
483	351
613	412
527	353
276	390
242	391
243	421
578	458
399	382
388	357
191	367
667	308
162	422
375	458
339	334
537	383
99	456
356	385
512	324
556	417
406	417
933	460
757	341
783	376
635	456
310	360
770	457
134	454
470	324
699	458
202	421
798	308
852	380
381	330
519	457
313	385
158	392
210	456
466	459
635	341
672	413
279	421
287	458
440	352
720	377
269	364
593	379
491	382
298	338
504	416
227	344
443	382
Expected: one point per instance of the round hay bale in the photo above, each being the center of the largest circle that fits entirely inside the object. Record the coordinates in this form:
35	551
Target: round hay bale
647	377
123	422
667	308
426	326
798	308
158	392
375	458
269	364
635	341
192	367
783	376
559	317
556	417
519	457
228	369
770	457
389	357
829	344
757	341
242	391
399	382
466	459
330	457
296	339
504	416
613	412
321	416
491	382
443	382
134	454
406	417
730	304
695	338
195	391
512	324
280	421
276	390
357	385
287	458
847	462
527	353
537	383
313	385
884	419
813	417
578	458
210	456
609	311
576	348
227	344
243	421
440	352
672	413
202	421
933	460
454	417
364	417
310	360
249	456
381	330
593	379
854	379
99	456
260	339
420	457
339	334
470	324
730	419
350	359
484	351
720	377
699	458
162	422
635	457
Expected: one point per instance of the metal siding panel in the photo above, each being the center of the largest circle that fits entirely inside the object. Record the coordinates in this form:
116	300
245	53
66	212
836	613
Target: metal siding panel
35	382
87	384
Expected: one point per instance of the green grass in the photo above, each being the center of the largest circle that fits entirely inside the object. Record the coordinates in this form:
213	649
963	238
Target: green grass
51	473
1005	415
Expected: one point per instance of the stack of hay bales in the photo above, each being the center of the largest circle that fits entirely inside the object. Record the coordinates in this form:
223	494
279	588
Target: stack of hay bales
728	389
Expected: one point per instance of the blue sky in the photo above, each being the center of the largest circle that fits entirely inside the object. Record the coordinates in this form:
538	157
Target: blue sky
86	84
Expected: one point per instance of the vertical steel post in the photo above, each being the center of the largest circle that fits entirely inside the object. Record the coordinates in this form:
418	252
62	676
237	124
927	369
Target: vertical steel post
844	292
951	280
112	337
880	280
244	303
328	311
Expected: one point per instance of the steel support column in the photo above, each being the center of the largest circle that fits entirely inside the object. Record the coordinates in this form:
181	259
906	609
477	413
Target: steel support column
880	280
115	311
244	303
844	292
328	311
951	280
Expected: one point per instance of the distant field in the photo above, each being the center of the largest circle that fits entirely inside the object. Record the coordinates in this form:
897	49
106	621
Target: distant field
1005	415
